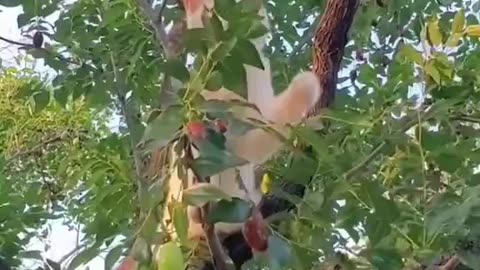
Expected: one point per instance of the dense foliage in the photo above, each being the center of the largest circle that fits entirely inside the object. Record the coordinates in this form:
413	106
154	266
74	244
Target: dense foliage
394	174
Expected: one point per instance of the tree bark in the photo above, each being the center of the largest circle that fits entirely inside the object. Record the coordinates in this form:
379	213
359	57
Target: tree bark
329	43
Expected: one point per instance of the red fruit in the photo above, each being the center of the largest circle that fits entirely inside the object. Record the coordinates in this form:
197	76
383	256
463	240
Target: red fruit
255	232
197	130
128	264
221	125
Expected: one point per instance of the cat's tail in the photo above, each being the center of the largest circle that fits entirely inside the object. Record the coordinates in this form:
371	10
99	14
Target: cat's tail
290	107
293	104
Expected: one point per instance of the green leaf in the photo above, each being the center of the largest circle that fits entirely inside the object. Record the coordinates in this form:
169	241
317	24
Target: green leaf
41	100
214	157
386	259
432	71
170	257
153	196
258	29
214	82
235	210
180	222
410	53
223	49
176	68
23	19
458	21
225	8
112	257
248	54
201	194
163	128
376	229
9	3
234	74
279	252
83	257
61	95
207	166
31	254
197	40
453	40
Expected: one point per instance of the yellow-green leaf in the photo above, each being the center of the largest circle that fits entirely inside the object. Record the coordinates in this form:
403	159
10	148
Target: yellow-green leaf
453	40
432	71
473	30
412	54
169	256
434	34
458	22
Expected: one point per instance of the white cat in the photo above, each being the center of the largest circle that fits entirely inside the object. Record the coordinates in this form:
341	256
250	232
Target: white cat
257	145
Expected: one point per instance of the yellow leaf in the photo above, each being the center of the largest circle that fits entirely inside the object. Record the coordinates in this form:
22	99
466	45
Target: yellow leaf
473	30
458	21
266	185
433	33
432	71
412	54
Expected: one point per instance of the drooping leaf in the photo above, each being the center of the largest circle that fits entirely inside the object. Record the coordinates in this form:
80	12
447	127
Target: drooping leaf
163	128
41	100
247	52
180	222
201	194
234	210
177	69
169	257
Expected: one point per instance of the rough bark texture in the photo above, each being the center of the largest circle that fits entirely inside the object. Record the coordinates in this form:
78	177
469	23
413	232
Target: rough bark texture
329	45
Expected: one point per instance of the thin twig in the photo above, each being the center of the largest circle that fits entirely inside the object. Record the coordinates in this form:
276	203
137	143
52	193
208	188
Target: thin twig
30	46
129	113
69	254
409	122
306	38
213	242
35	148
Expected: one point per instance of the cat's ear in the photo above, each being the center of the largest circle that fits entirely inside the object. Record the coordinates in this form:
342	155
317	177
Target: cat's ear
290	107
194	10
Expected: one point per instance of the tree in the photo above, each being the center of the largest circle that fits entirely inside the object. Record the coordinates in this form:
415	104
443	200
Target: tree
390	179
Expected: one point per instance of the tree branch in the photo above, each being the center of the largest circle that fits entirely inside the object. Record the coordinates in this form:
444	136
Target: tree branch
306	38
155	17
131	120
216	250
329	43
35	148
